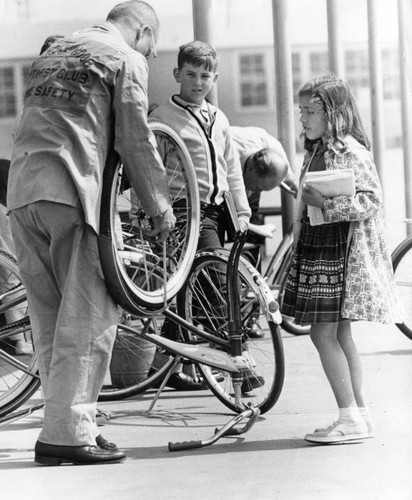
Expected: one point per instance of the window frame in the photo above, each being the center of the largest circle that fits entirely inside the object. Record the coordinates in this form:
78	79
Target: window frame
267	78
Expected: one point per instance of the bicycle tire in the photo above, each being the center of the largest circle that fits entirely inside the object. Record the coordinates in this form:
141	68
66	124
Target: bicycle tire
402	268
142	275
137	364
19	378
206	305
276	277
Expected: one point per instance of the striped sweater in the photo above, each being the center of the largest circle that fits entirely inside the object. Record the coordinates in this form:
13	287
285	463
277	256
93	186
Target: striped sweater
217	165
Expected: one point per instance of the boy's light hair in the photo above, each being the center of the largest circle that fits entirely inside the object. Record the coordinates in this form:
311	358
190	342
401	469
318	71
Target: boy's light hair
198	54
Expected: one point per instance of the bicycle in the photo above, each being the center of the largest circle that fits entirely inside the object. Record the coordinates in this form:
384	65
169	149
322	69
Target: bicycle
276	273
19	377
146	266
145	277
402	268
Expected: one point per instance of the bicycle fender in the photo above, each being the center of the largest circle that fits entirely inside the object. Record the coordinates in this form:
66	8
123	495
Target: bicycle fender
267	301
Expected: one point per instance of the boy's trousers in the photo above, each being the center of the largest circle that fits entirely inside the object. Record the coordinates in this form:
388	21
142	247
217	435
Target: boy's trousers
72	314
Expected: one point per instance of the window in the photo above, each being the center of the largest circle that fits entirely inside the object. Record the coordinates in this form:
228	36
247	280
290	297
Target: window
357	71
7	97
318	63
253	80
26	73
296	73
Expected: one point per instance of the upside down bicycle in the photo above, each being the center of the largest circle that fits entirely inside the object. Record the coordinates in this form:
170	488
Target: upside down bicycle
209	296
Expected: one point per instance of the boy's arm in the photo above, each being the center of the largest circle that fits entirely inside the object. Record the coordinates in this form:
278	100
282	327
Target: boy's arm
235	180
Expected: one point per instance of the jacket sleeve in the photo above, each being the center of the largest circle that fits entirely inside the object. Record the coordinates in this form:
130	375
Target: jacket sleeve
134	141
368	198
235	179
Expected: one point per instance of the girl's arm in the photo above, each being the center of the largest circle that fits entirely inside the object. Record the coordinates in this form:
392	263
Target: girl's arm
368	198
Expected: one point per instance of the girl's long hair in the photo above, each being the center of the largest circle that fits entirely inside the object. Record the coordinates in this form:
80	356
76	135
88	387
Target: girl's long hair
341	110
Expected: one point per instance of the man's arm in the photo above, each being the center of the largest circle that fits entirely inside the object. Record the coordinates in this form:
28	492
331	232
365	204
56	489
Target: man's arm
289	183
136	144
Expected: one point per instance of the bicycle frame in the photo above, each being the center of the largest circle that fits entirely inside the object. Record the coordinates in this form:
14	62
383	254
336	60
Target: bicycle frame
277	263
232	362
229	360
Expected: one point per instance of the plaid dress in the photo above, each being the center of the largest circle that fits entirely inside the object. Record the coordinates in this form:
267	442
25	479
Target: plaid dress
315	287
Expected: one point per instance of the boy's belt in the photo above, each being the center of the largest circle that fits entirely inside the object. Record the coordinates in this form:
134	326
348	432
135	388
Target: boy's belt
210	206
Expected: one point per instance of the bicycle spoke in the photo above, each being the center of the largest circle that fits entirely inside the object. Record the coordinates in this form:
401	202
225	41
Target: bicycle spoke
202	301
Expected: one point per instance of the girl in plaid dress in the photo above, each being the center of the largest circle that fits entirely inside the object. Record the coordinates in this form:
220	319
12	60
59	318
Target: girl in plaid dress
341	269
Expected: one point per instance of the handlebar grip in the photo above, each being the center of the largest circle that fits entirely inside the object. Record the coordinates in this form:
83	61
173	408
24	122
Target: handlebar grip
185	445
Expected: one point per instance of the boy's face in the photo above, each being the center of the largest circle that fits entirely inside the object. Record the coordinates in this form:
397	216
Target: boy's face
195	82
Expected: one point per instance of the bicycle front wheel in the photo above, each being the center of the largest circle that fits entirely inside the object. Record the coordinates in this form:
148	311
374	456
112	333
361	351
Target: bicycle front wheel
143	275
402	267
277	276
203	302
19	378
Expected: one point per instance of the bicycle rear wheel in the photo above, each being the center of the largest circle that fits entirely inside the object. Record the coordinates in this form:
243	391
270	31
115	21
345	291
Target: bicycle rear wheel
136	364
203	302
402	267
19	377
141	274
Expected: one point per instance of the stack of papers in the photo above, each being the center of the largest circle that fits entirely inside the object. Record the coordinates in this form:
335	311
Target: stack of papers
329	183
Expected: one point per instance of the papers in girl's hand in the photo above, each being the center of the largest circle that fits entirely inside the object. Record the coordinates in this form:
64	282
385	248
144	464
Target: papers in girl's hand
315	216
329	183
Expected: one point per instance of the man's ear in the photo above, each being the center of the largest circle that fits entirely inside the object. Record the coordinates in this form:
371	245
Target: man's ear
139	33
215	77
176	74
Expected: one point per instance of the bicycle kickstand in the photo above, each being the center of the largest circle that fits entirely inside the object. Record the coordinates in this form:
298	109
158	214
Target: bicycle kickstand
176	362
12	417
226	430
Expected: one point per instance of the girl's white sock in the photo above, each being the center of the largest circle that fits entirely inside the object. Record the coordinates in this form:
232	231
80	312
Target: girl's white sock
365	413
352	414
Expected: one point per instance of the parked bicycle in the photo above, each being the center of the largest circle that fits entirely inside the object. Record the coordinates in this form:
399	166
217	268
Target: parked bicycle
276	273
402	267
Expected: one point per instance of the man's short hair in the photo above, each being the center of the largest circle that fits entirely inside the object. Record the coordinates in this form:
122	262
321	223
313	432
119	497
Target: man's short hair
268	161
265	170
134	12
197	54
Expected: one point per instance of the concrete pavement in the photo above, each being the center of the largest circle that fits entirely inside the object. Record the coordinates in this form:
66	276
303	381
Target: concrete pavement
271	461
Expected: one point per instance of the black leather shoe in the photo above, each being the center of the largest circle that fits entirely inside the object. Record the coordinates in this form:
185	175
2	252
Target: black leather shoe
183	382
53	454
104	444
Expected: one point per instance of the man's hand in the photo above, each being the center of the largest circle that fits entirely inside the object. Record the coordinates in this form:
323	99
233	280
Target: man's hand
163	224
311	196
